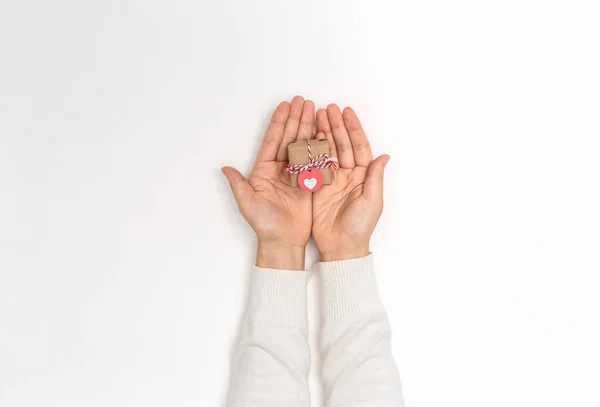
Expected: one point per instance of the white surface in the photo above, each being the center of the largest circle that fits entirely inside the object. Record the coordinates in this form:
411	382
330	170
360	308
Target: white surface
123	259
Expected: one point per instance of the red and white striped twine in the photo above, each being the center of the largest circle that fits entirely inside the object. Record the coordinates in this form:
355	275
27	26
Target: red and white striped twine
325	162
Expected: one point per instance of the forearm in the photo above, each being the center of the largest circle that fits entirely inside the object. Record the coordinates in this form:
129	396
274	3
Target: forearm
272	359
358	367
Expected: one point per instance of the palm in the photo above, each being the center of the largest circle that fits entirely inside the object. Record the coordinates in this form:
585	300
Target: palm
339	208
279	211
346	212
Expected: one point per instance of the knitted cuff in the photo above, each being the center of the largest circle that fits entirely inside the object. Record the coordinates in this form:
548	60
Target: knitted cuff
278	298
349	288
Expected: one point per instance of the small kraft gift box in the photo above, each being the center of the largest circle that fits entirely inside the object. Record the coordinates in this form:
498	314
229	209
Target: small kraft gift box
310	166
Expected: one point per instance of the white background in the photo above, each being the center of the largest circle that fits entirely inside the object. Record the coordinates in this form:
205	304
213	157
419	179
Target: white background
124	262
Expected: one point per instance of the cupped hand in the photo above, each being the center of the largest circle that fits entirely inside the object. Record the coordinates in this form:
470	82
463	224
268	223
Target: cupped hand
281	215
345	213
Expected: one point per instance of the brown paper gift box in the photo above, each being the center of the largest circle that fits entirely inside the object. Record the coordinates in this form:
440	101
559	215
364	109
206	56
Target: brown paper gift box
298	154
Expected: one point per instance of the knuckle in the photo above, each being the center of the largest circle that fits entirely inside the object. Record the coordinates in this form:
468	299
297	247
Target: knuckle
344	147
270	141
306	124
362	147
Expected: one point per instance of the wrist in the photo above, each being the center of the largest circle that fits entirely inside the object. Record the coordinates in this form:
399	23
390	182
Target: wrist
346	252
280	256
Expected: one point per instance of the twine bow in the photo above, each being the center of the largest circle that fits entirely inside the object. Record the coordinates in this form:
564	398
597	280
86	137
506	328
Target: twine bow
325	162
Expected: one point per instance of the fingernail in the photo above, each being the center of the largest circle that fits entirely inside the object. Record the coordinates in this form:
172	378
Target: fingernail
387	159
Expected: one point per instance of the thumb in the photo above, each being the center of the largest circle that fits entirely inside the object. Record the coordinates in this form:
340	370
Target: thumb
239	186
374	178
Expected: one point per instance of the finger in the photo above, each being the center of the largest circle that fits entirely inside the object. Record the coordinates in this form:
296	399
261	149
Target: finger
373	188
242	190
291	127
320	136
305	130
274	134
360	144
324	127
340	135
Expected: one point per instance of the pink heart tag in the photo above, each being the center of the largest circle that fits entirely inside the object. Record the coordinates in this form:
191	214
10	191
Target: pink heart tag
310	180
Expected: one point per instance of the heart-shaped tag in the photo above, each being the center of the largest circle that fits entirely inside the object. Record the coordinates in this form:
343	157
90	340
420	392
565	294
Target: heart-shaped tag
310	183
310	180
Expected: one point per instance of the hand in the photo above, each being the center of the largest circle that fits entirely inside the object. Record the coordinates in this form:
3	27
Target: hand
345	213
280	215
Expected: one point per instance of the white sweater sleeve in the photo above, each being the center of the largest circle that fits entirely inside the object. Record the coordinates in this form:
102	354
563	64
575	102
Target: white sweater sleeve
271	361
358	369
